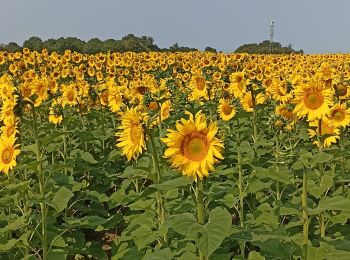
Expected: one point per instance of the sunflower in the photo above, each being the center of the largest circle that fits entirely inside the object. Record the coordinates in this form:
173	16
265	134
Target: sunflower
247	101
55	112
40	89
8	154
131	137
312	100
198	88
9	129
238	84
115	99
327	132
165	110
339	115
7	109
226	110
285	111
70	95
278	91
193	147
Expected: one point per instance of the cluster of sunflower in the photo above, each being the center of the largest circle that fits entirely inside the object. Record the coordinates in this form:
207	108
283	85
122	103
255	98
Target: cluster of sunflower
131	84
8	146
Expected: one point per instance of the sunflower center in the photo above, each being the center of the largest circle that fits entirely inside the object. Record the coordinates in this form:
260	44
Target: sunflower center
226	109
153	105
104	97
200	84
341	90
10	130
6	155
70	96
141	90
250	102
326	129
338	115
135	133
195	146
165	112
314	100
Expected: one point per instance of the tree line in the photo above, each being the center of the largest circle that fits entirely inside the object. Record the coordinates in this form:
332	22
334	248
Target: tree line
129	42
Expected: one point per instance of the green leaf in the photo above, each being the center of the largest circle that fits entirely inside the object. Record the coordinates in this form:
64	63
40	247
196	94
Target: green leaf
322	157
184	224
86	156
14	225
174	183
163	254
253	255
317	191
143	236
216	230
61	199
336	203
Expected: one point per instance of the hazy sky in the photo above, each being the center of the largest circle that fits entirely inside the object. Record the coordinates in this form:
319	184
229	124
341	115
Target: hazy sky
313	25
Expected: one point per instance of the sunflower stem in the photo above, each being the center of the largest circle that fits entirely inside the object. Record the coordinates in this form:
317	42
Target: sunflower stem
278	195
41	176
343	171
241	195
305	215
320	140
160	201
200	209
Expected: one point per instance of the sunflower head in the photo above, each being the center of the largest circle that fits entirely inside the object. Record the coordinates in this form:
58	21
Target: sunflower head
325	130
131	137
339	115
165	110
312	99
193	148
226	110
8	154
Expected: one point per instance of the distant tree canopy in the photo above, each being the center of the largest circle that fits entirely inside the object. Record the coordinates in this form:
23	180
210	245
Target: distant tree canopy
267	47
129	42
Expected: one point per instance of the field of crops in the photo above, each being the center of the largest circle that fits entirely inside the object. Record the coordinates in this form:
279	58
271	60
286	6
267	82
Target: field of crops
157	156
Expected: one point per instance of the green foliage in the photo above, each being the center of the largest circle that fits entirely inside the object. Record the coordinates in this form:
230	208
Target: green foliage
266	47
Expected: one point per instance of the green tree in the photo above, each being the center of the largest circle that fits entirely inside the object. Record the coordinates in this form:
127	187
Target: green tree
34	43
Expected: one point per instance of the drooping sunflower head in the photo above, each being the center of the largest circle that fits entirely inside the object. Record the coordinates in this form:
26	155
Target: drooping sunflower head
325	130
193	148
131	136
312	99
165	110
249	102
226	110
8	154
238	84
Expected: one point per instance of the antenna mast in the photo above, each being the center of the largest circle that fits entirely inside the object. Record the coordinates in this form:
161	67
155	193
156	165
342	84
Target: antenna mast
272	25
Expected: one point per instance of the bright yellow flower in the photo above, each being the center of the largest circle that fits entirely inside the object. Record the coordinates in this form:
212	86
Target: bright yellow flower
198	88
226	110
248	102
238	84
325	130
8	154
313	100
165	110
193	148
131	137
339	115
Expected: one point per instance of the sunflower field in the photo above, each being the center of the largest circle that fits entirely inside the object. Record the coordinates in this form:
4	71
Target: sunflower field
161	155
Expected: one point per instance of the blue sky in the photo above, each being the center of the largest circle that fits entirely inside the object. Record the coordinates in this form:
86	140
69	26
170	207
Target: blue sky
316	26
